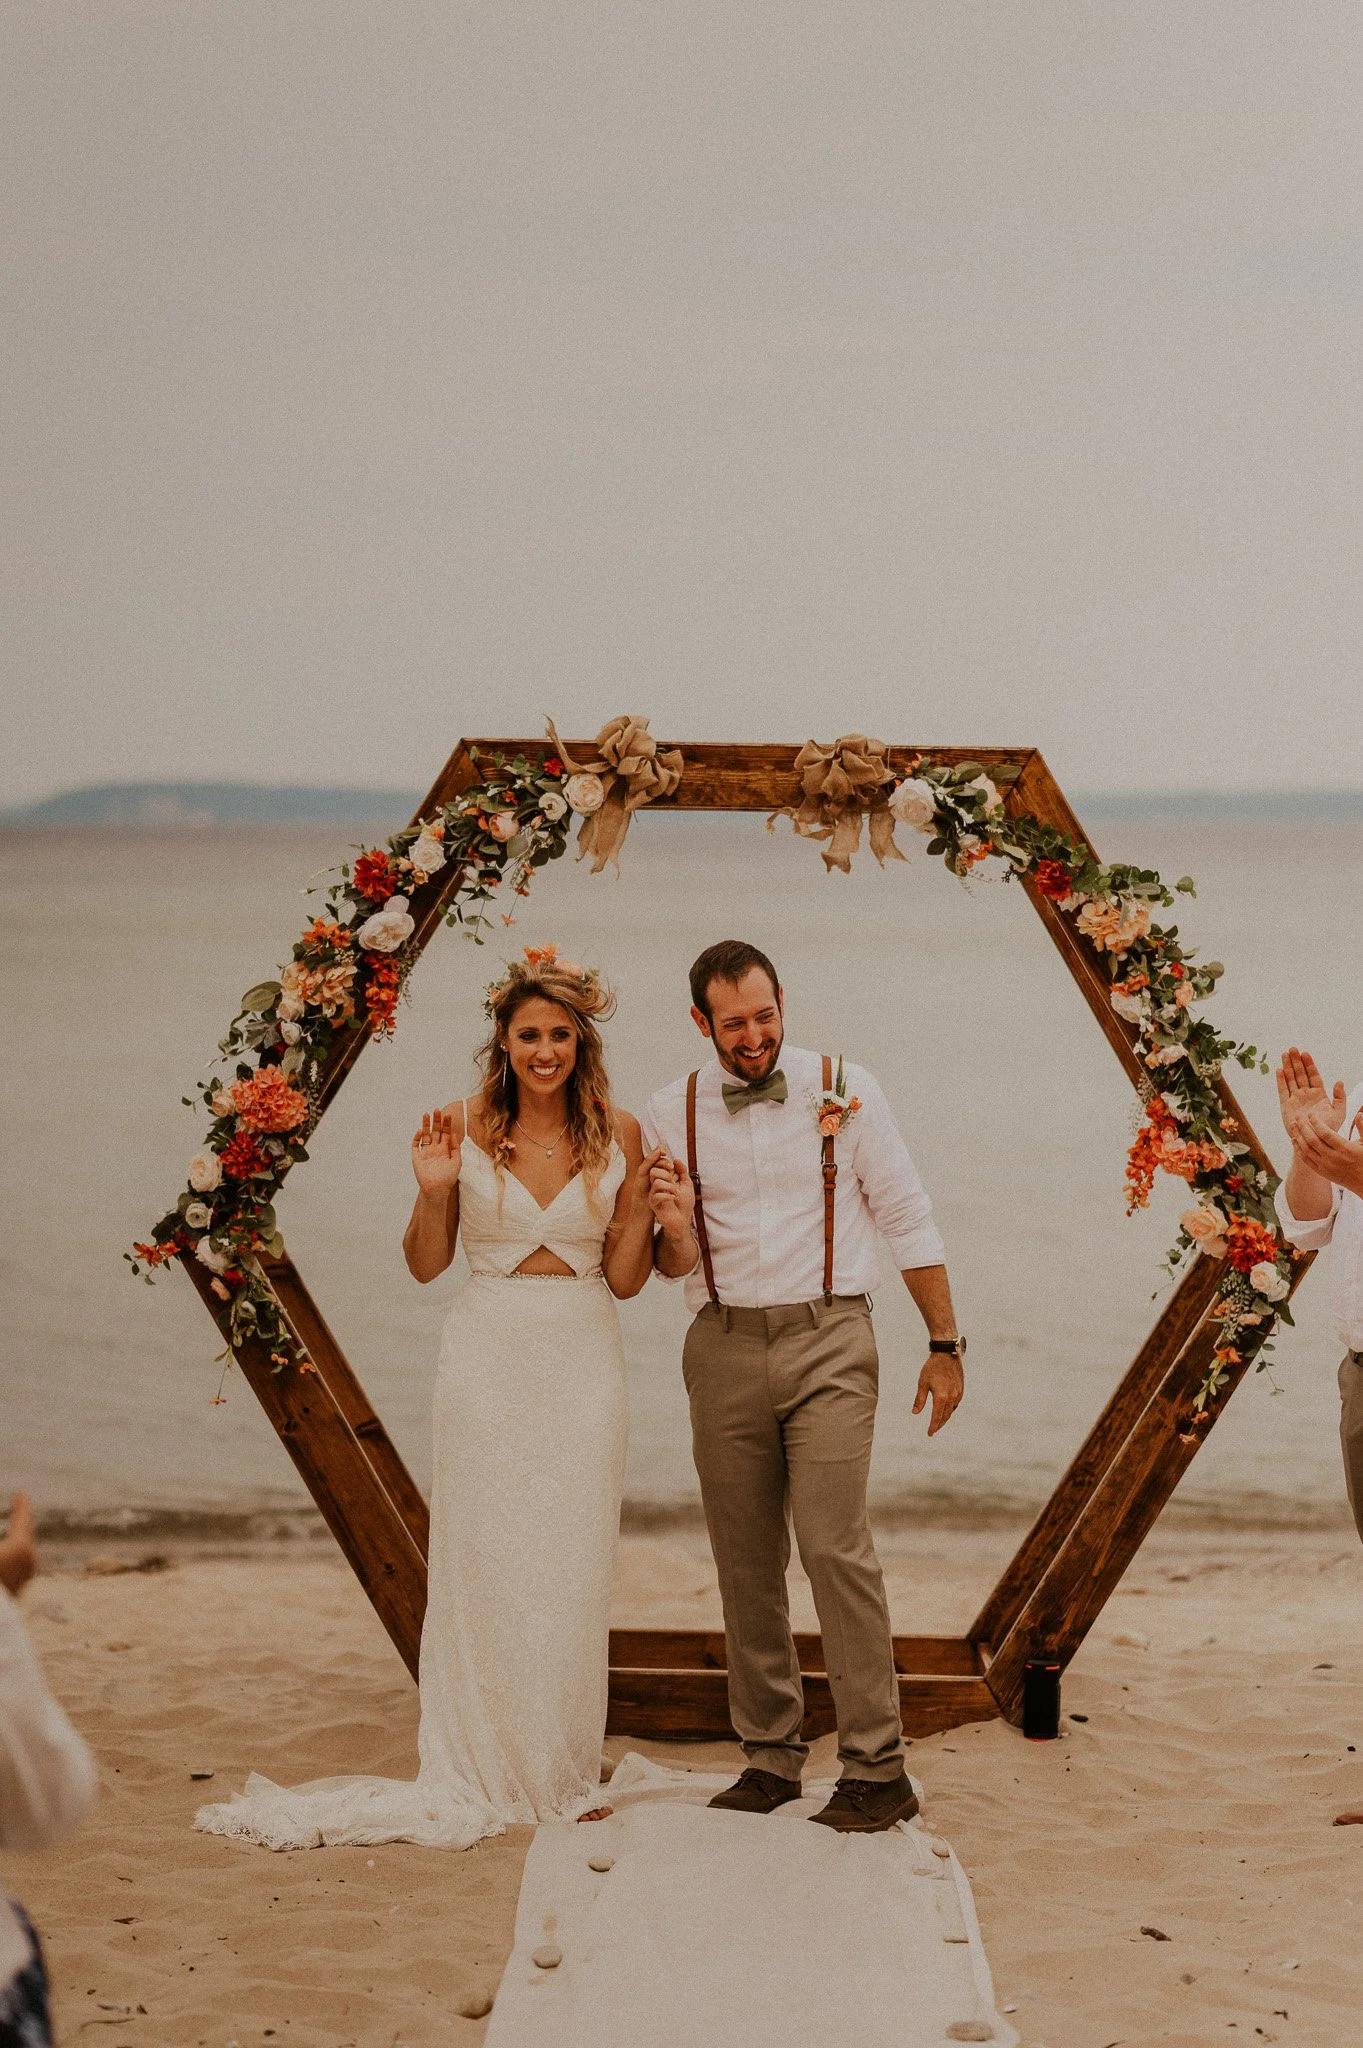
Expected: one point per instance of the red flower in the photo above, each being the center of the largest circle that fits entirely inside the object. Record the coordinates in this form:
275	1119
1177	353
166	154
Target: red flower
553	766
1052	878
374	876
1250	1243
244	1156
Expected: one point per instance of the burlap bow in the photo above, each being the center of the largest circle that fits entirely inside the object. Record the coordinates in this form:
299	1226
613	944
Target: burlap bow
841	784
633	773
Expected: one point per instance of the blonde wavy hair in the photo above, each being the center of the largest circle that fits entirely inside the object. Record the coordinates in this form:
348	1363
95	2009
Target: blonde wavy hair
591	1116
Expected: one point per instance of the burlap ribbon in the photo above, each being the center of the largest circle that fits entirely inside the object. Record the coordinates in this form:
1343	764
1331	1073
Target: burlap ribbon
842	784
633	773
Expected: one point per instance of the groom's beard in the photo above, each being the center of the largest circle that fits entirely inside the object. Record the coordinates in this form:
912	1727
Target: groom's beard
752	1069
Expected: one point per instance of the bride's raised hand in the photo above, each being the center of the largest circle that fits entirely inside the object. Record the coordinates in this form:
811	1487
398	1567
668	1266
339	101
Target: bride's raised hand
436	1154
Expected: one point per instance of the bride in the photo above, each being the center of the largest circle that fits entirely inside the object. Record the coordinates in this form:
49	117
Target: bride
550	1189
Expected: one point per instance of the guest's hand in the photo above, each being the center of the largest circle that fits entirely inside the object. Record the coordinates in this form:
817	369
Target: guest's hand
18	1549
1302	1095
943	1381
436	1154
1318	1144
671	1197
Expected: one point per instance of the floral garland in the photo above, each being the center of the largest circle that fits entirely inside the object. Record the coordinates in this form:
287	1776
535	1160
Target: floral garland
350	967
1155	985
348	972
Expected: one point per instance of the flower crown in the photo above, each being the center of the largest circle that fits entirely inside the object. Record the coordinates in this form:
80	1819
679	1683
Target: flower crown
537	960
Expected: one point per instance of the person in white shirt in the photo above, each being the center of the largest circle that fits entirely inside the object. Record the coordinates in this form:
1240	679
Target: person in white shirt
1319	1203
773	1223
47	1781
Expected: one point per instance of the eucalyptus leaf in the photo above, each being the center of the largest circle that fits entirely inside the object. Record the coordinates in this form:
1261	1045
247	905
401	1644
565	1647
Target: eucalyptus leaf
262	997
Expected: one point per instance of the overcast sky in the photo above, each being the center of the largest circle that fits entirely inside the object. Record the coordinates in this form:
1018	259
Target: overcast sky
962	371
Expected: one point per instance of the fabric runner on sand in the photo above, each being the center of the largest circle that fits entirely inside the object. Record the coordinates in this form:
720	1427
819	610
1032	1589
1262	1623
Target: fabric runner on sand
733	1930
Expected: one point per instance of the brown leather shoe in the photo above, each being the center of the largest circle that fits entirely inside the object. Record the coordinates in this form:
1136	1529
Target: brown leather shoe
864	1806
757	1792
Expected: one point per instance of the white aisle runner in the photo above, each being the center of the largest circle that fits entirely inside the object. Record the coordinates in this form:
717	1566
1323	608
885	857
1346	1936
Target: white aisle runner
733	1930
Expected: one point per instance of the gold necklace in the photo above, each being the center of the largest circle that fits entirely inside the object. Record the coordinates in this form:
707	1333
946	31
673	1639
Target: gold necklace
538	1143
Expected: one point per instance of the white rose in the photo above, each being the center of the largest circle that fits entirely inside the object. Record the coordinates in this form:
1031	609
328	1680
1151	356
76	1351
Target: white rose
992	800
586	793
221	1102
1130	1007
388	928
289	1031
913	802
205	1172
207	1255
1265	1279
198	1215
553	804
428	854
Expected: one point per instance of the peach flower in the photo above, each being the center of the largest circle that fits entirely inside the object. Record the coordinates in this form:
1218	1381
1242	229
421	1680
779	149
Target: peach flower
1206	1226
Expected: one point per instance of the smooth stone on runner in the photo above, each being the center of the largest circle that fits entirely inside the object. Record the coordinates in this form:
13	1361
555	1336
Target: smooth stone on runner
970	2030
941	1849
600	1863
549	1957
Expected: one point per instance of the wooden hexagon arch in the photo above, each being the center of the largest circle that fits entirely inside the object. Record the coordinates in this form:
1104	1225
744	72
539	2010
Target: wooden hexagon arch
672	1682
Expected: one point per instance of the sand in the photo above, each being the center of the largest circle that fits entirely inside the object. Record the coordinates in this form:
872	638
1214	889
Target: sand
1197	1798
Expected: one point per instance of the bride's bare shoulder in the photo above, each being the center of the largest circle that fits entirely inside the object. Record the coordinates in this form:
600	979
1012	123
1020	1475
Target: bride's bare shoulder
462	1129
628	1135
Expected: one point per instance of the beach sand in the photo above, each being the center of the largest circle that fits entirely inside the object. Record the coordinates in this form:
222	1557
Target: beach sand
1197	1798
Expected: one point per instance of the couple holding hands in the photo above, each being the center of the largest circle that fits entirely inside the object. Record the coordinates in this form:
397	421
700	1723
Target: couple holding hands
761	1183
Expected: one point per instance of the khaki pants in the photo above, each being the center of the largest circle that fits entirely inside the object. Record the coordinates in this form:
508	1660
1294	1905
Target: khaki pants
783	1404
1351	1429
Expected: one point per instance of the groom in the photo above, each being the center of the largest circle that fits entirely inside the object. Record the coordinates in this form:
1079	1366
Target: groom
773	1222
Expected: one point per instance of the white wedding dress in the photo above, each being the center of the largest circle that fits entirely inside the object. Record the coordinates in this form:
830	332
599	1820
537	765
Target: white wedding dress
530	1429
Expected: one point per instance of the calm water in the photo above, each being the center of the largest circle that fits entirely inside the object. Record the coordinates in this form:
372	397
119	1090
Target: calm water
126	953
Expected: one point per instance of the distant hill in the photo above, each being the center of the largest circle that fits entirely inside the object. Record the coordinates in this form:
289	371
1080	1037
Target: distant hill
177	805
180	805
1222	806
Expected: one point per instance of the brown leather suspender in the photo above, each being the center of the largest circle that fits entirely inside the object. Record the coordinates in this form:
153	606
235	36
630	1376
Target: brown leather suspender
830	1179
701	1238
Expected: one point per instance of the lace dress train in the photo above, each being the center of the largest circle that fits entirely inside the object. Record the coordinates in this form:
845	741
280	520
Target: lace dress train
530	1426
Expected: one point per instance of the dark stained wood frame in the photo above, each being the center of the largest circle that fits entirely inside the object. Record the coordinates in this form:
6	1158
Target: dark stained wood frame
672	1682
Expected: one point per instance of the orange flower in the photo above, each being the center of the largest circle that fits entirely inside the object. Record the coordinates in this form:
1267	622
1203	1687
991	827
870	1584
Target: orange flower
268	1101
381	997
324	931
1250	1243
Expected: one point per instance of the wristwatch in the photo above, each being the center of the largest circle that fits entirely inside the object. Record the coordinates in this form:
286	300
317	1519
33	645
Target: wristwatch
954	1345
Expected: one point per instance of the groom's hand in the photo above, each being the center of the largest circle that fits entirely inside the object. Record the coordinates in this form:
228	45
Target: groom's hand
943	1381
671	1196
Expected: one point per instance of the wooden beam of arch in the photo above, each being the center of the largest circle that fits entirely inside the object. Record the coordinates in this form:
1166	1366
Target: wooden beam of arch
673	1682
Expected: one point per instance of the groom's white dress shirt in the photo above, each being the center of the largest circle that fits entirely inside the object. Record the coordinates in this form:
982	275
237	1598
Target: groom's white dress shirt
1342	1228
762	1178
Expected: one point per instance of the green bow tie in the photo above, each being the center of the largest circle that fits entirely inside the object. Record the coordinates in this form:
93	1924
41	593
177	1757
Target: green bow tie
738	1094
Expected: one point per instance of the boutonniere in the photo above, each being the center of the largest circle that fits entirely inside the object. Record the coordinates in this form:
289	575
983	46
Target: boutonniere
834	1109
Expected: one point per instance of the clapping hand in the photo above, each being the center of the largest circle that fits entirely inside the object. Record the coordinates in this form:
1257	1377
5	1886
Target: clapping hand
671	1195
436	1154
1314	1121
